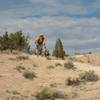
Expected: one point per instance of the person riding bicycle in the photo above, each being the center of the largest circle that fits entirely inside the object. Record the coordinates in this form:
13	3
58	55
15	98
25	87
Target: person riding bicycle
40	42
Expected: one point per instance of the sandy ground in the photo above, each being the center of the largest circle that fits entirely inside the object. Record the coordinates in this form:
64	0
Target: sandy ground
93	58
13	83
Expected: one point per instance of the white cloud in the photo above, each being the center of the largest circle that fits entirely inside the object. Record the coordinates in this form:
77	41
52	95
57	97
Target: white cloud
72	30
68	28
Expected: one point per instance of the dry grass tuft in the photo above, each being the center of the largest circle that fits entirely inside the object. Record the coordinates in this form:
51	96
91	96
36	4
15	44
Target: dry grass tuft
29	74
69	65
89	76
22	57
50	67
45	94
73	81
58	64
49	94
20	68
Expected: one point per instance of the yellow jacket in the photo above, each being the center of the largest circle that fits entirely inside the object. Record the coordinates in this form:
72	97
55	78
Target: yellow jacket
40	40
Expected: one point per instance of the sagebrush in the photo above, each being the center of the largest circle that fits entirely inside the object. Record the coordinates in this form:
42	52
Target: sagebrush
89	76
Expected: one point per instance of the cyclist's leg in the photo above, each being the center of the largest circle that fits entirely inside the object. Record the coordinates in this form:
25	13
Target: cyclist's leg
41	49
45	50
37	49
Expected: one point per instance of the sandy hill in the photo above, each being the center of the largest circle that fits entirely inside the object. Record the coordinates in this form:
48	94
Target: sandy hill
93	58
48	73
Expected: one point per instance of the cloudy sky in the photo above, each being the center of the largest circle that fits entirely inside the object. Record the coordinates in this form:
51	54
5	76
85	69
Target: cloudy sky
76	22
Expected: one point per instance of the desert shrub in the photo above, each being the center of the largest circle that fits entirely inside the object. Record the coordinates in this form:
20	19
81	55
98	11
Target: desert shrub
12	58
49	94
15	52
53	85
58	64
34	65
89	76
59	50
45	94
50	67
20	68
73	81
22	57
72	58
59	94
69	65
29	74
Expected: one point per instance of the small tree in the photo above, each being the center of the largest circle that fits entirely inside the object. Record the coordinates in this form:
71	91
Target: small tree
14	41
58	50
19	41
4	41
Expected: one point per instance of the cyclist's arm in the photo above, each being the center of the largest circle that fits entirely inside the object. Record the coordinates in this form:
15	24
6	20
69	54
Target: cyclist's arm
36	39
44	41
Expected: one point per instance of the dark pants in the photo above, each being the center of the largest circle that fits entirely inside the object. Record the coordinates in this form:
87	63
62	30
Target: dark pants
39	48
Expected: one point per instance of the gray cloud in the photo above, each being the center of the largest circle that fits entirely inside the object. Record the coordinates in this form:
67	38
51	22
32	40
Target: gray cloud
52	19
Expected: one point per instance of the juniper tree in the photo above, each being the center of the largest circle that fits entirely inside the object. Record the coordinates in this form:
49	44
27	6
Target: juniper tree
14	41
4	41
19	41
58	49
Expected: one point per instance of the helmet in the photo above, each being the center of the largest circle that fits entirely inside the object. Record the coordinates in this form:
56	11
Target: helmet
41	36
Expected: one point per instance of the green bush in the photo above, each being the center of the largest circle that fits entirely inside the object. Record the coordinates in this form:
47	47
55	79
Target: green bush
89	76
14	41
45	94
49	94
